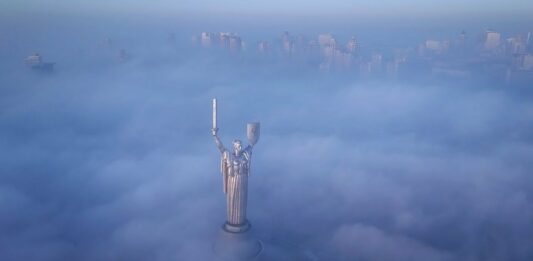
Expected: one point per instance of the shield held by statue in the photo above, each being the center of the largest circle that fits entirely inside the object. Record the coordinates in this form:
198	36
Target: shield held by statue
253	131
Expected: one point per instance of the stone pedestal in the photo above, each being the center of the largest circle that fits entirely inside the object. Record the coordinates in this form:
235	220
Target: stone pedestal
237	243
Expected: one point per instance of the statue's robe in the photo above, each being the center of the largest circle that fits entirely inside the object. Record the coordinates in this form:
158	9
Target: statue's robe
235	172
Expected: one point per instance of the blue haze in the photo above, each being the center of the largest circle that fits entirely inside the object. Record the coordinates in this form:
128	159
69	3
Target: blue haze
111	160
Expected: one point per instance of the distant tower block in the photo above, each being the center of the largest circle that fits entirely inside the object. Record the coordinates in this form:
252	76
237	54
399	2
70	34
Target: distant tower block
529	42
527	63
235	44
325	39
351	47
492	40
462	37
35	62
287	42
206	39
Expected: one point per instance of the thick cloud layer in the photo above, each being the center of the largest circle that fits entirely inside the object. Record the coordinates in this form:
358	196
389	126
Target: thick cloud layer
103	160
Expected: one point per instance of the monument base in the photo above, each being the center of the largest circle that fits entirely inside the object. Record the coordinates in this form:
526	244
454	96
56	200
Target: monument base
237	243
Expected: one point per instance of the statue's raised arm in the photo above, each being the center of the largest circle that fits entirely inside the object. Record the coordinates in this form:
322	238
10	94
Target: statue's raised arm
219	144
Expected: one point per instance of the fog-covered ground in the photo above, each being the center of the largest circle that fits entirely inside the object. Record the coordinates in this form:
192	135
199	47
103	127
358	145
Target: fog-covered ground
110	160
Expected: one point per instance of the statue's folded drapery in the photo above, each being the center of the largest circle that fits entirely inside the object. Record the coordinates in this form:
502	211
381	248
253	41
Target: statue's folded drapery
235	169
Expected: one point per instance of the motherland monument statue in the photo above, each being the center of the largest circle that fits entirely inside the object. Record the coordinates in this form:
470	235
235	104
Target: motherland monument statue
236	241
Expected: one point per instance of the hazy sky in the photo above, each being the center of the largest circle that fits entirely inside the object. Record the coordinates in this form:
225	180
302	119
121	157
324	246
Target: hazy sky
111	160
294	7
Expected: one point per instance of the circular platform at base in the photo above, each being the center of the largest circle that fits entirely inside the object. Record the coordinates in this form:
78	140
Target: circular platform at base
237	228
241	245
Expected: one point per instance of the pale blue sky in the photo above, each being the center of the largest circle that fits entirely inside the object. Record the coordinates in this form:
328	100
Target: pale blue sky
285	7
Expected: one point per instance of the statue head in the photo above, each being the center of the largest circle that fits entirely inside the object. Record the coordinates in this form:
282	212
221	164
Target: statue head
237	147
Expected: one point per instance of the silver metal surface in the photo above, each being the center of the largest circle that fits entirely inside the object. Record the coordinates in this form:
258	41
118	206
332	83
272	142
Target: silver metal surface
252	132
214	113
235	168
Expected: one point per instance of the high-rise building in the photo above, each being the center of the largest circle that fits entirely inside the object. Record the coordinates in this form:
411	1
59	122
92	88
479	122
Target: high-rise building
351	46
527	62
333	43
437	46
492	40
329	53
342	59
516	45
529	42
224	39
35	62
287	46
287	42
325	39
377	58
206	39
312	46
235	44
462	37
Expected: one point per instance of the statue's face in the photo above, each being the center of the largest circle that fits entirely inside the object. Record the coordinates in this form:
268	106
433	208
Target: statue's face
237	146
